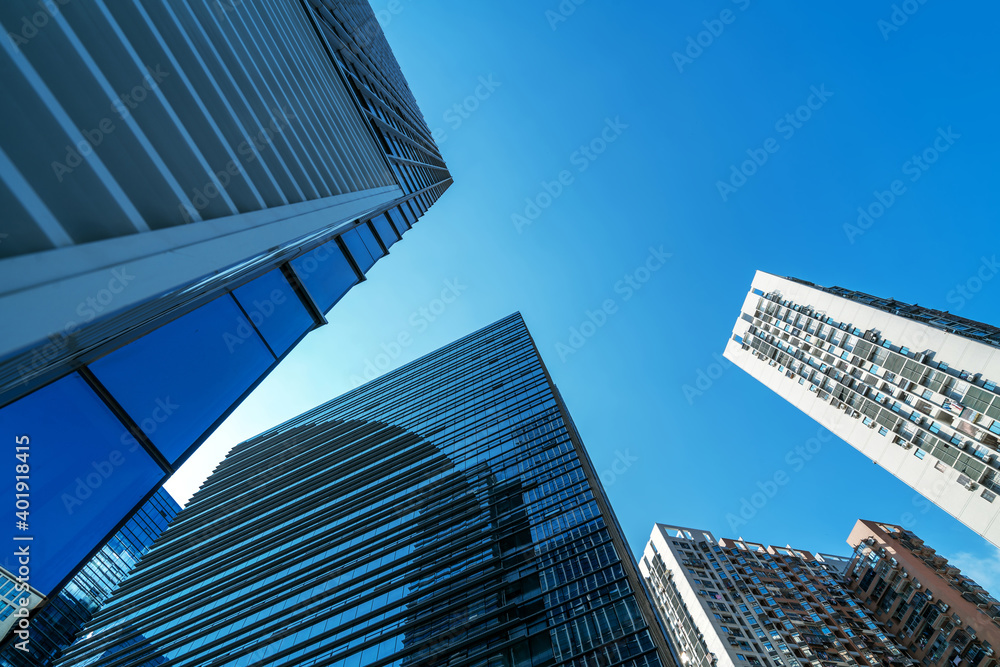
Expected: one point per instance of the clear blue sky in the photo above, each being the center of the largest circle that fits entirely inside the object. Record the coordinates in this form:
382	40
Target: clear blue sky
884	95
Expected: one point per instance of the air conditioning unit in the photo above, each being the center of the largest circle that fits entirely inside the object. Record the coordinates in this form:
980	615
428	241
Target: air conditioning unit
971	486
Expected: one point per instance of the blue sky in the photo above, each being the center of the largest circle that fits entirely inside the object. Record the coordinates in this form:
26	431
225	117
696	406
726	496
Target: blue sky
594	148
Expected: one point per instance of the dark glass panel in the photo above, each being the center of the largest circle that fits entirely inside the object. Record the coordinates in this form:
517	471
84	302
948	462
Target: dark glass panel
202	363
326	274
84	473
275	309
385	230
358	250
368	236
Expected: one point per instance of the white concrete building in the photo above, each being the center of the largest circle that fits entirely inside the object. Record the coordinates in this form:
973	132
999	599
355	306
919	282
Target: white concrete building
912	388
733	603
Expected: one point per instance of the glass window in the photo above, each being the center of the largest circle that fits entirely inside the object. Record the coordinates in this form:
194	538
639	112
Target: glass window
359	251
368	236
398	221
275	309
409	212
203	362
326	274
85	473
385	230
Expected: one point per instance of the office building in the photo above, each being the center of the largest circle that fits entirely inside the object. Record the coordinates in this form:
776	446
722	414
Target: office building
188	188
936	614
445	513
56	624
733	603
912	388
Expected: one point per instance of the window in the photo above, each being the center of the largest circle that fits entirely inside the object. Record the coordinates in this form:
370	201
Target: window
325	273
102	473
358	249
919	453
385	230
275	309
203	362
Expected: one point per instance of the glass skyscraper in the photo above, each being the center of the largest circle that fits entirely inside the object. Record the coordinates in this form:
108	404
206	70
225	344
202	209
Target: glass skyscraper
187	189
443	514
56	625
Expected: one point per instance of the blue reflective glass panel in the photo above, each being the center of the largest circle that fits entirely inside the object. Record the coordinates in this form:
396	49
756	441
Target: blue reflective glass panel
358	251
385	230
369	238
409	212
398	220
176	381
326	274
275	309
85	473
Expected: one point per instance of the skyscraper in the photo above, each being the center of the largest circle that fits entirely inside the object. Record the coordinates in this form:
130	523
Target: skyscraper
56	625
188	188
733	603
912	388
938	615
445	513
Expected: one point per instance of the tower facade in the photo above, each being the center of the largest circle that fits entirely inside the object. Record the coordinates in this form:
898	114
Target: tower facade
912	388
55	625
938	615
189	188
444	513
733	603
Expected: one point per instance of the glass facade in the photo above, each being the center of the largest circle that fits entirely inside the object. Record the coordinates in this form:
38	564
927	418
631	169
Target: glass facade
443	514
139	388
56	625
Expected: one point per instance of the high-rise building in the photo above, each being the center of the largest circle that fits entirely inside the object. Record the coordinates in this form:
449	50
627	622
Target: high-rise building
445	513
187	189
55	625
912	388
733	603
938	615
